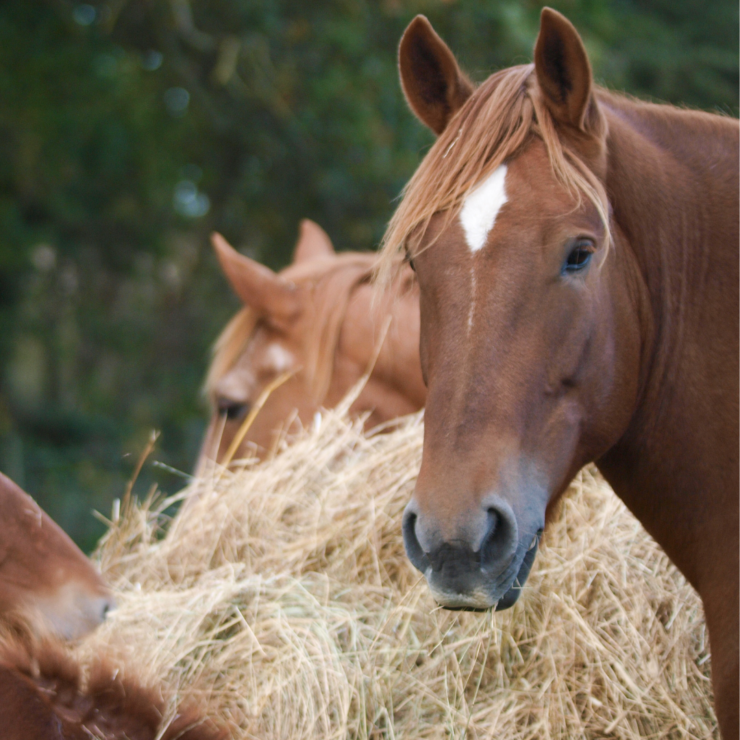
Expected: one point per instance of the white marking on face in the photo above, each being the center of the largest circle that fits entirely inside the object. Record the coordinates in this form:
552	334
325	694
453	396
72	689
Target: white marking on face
481	206
471	309
279	358
237	385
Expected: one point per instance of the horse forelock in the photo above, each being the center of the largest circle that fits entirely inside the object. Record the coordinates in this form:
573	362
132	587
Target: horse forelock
330	283
493	126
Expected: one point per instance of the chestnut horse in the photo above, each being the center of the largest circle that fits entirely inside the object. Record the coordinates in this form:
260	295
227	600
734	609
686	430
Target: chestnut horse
321	322
46	582
43	697
577	259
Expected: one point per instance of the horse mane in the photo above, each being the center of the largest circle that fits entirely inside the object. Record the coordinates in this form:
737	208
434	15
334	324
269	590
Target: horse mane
494	124
331	283
42	687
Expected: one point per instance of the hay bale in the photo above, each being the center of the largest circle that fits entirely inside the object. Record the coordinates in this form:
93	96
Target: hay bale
283	598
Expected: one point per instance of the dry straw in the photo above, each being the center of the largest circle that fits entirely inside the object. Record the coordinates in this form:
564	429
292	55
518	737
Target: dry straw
281	597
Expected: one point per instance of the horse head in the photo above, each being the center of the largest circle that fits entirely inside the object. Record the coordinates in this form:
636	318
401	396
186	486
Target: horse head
530	327
45	580
319	325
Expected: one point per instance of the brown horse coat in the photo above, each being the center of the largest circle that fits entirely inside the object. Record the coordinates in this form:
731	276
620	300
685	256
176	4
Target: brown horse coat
46	582
577	260
43	697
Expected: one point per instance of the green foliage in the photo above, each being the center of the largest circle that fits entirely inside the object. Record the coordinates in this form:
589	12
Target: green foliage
130	129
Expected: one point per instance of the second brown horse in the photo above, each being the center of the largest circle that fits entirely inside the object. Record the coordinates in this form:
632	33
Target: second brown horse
323	323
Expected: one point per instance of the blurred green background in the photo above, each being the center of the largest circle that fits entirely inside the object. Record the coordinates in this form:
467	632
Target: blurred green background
130	129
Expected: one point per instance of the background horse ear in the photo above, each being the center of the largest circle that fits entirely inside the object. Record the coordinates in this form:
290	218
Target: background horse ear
313	243
433	84
256	285
563	70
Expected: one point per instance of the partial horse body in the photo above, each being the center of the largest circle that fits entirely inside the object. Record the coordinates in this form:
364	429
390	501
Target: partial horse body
43	697
46	582
321	324
577	260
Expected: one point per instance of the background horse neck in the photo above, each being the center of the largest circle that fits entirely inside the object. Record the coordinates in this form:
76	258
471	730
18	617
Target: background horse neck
386	324
673	184
398	360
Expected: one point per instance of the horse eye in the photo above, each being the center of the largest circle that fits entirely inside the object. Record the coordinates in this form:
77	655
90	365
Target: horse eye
579	257
410	262
232	410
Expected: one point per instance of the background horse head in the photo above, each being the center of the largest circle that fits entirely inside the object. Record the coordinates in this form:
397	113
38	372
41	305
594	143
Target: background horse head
321	322
576	253
45	579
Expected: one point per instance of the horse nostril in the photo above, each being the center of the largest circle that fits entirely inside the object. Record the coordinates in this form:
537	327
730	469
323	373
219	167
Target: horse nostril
492	517
108	606
414	550
500	540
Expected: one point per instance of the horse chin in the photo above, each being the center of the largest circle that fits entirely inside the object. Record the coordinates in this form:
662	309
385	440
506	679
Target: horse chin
474	601
483	599
512	595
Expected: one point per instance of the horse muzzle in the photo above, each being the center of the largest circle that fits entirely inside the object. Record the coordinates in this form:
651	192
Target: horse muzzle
483	566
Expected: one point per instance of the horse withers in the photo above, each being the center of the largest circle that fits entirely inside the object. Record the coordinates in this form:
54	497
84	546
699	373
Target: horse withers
46	582
321	323
577	259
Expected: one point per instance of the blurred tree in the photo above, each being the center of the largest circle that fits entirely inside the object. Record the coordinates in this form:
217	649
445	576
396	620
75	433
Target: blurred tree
129	129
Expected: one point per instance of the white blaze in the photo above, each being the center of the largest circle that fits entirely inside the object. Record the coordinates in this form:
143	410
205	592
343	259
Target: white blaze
279	358
481	206
471	310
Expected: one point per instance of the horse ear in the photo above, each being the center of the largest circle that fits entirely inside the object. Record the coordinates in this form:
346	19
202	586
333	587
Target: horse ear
257	286
313	243
432	82
563	70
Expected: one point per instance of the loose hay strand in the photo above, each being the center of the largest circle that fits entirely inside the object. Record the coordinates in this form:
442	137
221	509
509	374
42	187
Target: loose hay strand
281	598
253	412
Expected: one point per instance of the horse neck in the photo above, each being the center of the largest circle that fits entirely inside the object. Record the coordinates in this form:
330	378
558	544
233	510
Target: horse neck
673	185
384	332
399	355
